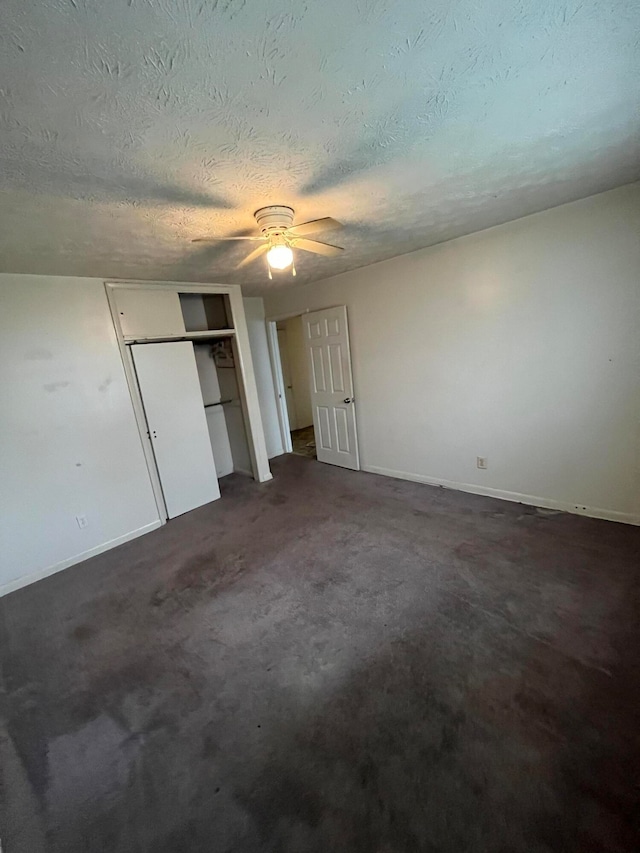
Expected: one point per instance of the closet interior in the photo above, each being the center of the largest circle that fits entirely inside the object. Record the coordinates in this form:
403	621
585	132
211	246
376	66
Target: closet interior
184	356
216	364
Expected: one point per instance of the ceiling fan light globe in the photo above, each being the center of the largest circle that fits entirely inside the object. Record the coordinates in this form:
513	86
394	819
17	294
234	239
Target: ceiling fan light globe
280	257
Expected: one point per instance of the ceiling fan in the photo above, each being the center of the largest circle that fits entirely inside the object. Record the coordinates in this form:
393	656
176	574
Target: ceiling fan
279	236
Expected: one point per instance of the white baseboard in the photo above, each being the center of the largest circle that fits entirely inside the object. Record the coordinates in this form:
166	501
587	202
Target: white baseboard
532	500
25	580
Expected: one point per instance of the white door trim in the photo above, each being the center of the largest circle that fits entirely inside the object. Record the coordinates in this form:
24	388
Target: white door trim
248	388
278	385
278	379
138	409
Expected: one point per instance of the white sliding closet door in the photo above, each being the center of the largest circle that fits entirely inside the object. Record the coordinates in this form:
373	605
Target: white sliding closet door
173	405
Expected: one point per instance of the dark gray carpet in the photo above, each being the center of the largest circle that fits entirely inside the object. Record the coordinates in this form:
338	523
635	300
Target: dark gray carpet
330	662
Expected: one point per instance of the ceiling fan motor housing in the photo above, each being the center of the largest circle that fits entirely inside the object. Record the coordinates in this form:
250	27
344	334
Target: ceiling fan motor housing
274	220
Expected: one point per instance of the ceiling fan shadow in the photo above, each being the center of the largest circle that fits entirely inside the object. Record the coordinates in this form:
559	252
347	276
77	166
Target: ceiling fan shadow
215	258
384	139
335	174
99	180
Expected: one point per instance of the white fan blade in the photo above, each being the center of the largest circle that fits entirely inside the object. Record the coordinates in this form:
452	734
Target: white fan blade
253	255
315	226
316	247
223	239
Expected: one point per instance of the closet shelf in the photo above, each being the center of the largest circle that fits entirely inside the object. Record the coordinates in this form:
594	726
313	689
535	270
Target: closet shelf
219	403
186	336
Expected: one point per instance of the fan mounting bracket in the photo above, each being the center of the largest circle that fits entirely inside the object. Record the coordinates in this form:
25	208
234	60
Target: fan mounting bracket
275	219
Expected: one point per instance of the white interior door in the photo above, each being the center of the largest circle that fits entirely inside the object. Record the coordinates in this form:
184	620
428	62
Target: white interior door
334	418
173	405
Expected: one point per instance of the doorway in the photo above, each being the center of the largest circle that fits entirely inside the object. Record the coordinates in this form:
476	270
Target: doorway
311	362
295	377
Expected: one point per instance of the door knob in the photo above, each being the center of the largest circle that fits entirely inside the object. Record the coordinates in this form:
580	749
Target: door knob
347	400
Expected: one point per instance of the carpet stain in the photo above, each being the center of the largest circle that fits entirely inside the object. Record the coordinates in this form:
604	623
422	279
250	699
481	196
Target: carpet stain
278	499
83	632
203	574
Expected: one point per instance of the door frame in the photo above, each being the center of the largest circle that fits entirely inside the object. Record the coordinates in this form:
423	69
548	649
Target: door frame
278	381
276	369
244	371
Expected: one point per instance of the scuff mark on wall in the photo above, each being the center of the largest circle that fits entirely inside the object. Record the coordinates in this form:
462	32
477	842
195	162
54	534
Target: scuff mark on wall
52	387
38	354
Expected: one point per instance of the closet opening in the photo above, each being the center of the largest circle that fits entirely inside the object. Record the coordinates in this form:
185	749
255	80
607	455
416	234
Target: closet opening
204	312
216	364
215	361
188	364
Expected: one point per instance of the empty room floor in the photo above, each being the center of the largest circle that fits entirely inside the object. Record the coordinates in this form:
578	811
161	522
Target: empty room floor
333	661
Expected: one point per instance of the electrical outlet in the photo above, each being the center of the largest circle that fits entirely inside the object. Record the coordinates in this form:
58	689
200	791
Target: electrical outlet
82	521
481	461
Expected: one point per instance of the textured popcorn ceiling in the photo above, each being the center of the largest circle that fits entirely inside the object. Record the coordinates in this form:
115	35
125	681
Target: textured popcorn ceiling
128	127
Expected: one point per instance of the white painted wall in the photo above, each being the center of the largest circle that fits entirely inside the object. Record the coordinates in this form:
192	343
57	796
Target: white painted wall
70	445
520	343
254	314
